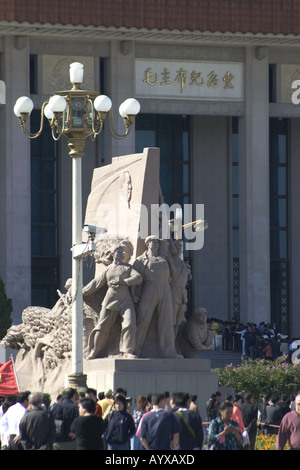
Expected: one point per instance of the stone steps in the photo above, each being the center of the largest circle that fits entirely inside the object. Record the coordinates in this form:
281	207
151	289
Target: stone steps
220	359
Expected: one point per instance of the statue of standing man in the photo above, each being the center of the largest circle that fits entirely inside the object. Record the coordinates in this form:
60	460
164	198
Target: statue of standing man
180	277
155	303
117	307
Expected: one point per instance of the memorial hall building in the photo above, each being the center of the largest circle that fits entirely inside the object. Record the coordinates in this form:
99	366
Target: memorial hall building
218	85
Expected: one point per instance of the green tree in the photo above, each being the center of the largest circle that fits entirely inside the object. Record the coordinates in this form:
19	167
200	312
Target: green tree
5	311
260	377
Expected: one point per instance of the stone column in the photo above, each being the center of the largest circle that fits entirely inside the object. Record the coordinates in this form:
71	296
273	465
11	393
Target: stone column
210	265
119	85
15	231
254	190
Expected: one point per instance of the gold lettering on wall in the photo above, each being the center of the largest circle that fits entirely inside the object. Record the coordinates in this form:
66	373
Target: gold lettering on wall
183	78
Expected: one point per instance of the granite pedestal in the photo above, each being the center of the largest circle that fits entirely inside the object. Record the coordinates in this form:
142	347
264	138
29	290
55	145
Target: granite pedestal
144	376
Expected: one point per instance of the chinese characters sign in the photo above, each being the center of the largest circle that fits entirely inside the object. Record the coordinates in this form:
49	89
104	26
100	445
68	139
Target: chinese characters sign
189	80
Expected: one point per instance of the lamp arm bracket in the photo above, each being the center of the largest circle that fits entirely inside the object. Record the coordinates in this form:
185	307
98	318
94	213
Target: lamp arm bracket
23	120
127	125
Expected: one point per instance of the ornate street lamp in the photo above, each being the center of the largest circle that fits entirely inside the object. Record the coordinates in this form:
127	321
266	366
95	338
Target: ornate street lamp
76	114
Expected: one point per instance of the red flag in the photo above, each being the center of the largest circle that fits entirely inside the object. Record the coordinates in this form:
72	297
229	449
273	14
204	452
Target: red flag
8	379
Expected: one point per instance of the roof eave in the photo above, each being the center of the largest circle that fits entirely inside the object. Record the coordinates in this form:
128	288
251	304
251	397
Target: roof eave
144	34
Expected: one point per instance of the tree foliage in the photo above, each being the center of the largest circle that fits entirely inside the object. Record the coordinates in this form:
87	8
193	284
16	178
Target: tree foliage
260	377
5	311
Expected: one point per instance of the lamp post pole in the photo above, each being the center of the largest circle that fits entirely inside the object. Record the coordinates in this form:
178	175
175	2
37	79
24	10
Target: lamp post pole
77	114
77	378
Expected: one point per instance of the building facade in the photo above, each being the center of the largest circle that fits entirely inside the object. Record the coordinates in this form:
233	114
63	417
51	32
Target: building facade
218	95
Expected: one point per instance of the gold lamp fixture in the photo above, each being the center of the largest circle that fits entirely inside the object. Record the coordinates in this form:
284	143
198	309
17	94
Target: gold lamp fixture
76	113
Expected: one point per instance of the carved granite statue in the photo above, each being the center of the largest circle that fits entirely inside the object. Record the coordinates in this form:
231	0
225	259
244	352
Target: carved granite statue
154	302
194	335
128	309
181	274
44	338
118	311
46	332
44	342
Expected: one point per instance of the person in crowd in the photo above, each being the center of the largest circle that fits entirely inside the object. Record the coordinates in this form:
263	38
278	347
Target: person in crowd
274	415
37	428
64	414
191	434
262	412
223	431
149	404
292	399
275	344
244	334
119	391
138	412
167	401
10	422
289	429
92	394
119	426
7	403
284	346
261	327
129	405
249	413
58	400
252	345
213	405
237	413
227	337
80	394
193	403
106	401
159	429
229	397
88	428
284	404
261	344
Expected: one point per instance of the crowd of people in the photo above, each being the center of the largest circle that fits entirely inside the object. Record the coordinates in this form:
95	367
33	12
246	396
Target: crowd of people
235	423
253	341
110	421
105	421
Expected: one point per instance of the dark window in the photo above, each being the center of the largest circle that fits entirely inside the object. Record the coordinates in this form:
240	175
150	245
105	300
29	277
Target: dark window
171	134
272	83
235	220
279	223
44	216
33	74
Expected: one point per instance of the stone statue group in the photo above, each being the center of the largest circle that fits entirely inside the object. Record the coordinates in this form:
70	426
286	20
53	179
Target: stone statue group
142	312
129	310
146	297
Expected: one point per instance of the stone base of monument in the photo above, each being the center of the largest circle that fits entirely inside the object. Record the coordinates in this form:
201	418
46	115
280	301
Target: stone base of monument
137	376
144	376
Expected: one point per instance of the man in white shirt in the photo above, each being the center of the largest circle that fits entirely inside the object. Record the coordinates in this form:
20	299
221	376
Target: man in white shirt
10	421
